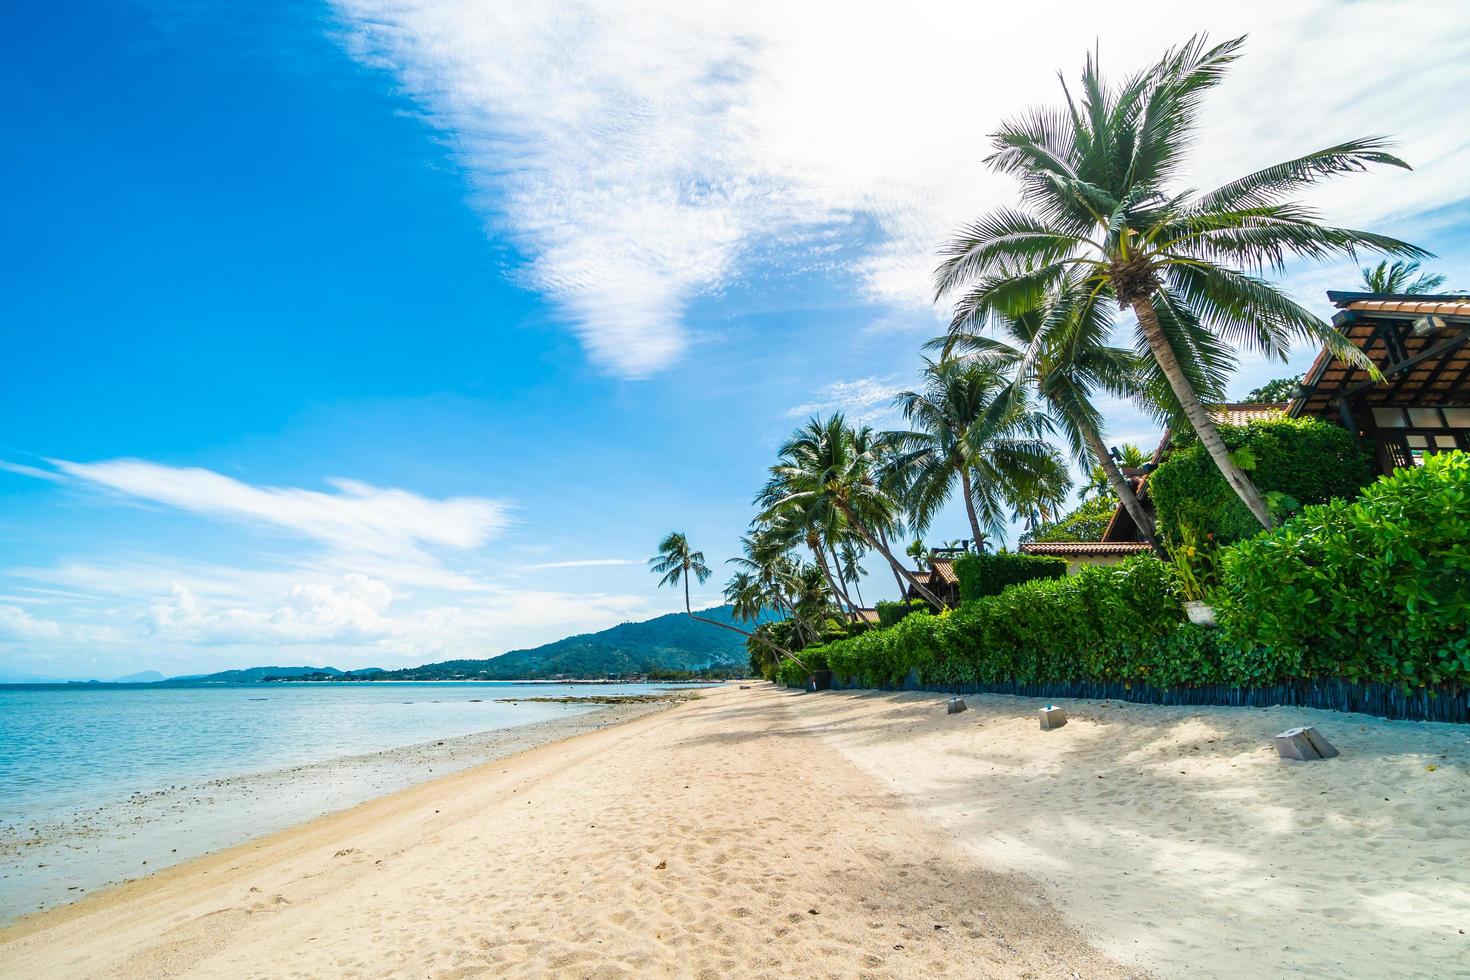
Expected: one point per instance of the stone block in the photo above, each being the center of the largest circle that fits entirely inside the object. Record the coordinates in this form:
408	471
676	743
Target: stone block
956	705
1052	717
1304	744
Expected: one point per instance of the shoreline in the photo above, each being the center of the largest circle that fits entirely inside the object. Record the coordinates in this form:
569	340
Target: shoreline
48	864
693	841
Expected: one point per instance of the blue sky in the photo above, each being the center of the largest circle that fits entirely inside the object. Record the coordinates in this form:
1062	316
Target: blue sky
370	333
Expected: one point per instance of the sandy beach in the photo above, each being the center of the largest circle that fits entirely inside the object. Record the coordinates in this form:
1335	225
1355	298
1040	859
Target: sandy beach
761	832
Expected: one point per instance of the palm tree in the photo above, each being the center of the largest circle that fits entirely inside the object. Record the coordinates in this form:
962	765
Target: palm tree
1396	278
677	563
1038	496
828	471
1129	457
969	429
1061	349
1102	216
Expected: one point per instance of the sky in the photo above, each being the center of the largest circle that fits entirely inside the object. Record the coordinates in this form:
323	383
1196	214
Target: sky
378	332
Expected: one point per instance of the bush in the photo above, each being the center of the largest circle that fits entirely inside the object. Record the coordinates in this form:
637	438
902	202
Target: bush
1372	590
989	574
889	613
1086	523
1085	626
1308	460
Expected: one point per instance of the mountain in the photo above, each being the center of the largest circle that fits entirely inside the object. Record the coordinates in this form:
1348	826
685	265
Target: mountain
669	643
141	677
250	675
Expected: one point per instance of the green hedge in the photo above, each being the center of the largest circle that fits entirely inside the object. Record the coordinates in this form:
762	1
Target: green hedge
889	613
989	574
1045	629
1373	591
1085	523
1377	589
1308	460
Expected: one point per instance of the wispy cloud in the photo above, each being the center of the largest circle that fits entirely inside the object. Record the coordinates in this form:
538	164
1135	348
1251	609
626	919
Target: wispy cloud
644	155
357	517
583	563
863	400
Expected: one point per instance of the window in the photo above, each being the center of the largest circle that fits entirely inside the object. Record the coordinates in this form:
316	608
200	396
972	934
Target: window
1389	418
1457	418
1424	418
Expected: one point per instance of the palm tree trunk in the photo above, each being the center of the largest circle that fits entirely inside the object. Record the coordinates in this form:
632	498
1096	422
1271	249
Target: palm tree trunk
1121	485
735	629
842	582
1199	418
968	490
896	577
898	569
820	555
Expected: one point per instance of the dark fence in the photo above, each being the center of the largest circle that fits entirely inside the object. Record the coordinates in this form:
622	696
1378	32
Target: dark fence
1449	704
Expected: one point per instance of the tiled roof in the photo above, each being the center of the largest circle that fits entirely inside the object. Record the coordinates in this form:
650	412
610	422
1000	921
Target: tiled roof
944	568
1421	368
1418	307
1239	413
1084	547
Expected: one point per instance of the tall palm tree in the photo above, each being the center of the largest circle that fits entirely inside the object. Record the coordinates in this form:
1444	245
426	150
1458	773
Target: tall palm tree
1399	278
677	563
1101	211
970	429
1060	347
1129	457
827	470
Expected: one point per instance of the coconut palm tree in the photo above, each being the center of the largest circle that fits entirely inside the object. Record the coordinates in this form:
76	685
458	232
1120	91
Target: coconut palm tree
1039	495
1399	278
970	429
1061	349
1101	211
1129	457
678	563
828	471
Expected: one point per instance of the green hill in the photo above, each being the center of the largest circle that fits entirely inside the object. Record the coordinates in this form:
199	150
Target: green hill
669	643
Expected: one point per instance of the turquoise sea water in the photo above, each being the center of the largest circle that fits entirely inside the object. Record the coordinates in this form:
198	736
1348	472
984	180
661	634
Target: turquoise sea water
63	747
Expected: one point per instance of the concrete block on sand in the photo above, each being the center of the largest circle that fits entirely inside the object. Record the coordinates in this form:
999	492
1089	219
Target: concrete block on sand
1304	745
1052	717
956	705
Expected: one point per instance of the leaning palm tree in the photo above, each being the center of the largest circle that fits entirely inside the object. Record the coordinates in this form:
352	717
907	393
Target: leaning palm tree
678	563
828	471
968	428
1129	457
1061	348
1399	278
1101	209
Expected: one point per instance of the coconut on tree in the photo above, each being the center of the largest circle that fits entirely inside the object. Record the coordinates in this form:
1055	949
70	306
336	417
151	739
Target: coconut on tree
1102	214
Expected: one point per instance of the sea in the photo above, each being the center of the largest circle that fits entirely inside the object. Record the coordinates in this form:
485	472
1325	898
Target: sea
92	775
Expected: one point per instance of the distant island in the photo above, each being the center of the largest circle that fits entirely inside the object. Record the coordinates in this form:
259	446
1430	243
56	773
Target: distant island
671	647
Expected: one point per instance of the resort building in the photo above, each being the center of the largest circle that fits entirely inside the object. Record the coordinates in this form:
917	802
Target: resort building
1421	346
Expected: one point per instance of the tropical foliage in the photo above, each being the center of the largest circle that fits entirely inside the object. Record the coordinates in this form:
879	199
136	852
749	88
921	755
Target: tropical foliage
983	575
1401	278
1300	461
1103	220
1086	522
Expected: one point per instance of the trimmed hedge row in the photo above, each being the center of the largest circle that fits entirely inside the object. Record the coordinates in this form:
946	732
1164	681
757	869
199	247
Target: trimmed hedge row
1372	592
1307	460
984	574
889	613
1376	589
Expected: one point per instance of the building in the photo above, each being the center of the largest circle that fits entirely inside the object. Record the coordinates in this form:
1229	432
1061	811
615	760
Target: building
1421	346
940	579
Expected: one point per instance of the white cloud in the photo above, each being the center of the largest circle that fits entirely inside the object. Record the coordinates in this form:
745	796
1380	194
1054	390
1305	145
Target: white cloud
17	624
644	154
583	563
867	401
357	518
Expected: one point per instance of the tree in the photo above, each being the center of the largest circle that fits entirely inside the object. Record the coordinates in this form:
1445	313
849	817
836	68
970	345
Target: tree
1396	279
1038	496
677	563
1279	390
968	429
827	470
1060	346
1101	216
1129	457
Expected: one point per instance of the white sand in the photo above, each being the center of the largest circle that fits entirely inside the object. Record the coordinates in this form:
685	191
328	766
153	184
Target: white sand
1177	840
716	839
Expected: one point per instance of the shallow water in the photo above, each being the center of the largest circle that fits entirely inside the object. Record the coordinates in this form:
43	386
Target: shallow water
63	747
